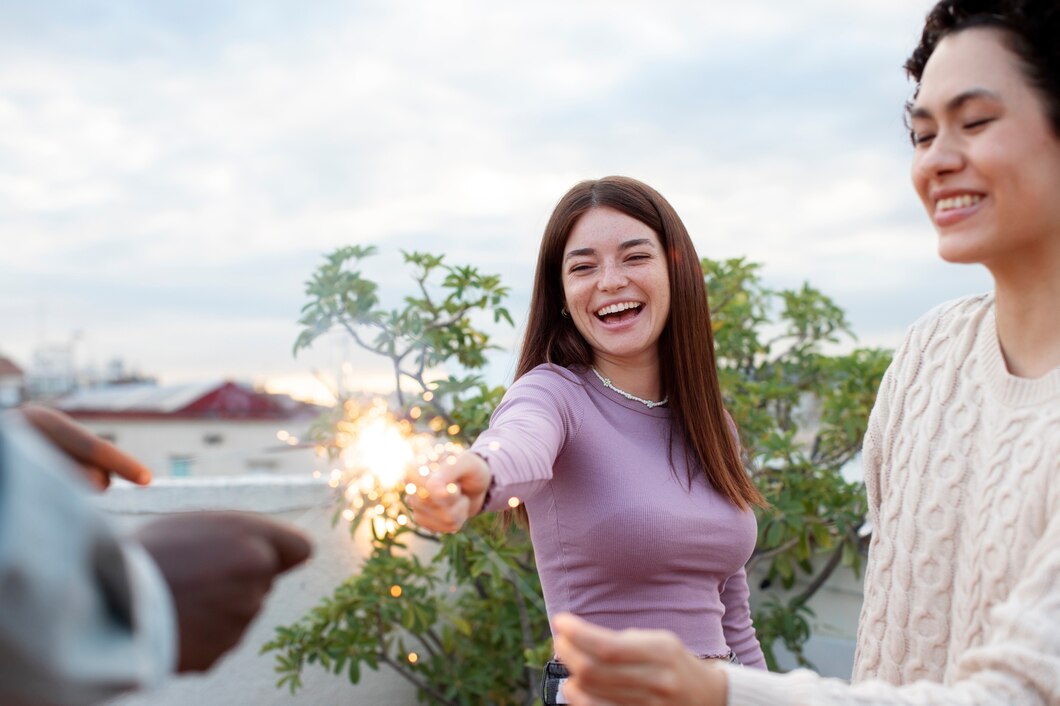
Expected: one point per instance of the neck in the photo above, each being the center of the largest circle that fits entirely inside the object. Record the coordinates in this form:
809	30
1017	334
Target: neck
638	378
1028	315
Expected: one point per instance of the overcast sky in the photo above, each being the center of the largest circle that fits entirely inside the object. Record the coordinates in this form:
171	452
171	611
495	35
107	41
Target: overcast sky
171	173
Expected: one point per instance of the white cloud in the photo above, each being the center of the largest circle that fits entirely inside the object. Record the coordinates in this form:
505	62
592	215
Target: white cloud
222	150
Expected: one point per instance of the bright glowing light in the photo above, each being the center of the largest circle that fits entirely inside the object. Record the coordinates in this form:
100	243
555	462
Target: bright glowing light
395	591
452	488
282	435
415	412
453	429
378	526
302	387
428	396
377	453
413	658
381	450
513	501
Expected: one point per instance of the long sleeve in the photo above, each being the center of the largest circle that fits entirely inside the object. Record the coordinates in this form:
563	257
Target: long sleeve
1018	666
84	615
527	432
739	630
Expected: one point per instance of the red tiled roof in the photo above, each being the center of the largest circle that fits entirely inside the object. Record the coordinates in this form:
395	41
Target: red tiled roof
216	400
8	368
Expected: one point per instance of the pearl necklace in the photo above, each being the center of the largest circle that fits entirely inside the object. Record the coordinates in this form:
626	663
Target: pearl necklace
647	403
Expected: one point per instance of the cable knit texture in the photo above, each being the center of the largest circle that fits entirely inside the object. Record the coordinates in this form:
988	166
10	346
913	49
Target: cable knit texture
962	589
619	536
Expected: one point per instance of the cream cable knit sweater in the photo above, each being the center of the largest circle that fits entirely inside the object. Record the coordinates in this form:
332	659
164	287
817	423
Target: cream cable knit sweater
962	589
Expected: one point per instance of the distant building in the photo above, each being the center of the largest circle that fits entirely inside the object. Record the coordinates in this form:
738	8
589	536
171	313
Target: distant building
215	428
12	383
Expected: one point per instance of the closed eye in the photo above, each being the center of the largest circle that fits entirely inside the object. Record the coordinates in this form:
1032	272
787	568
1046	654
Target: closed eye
977	123
921	139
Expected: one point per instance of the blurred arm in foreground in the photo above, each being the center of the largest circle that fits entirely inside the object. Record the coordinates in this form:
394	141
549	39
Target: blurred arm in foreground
86	613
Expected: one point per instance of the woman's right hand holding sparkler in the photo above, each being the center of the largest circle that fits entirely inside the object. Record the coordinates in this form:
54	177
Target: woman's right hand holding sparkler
449	496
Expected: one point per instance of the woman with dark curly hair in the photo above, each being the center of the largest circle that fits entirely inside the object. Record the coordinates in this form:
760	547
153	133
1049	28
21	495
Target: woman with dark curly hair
962	455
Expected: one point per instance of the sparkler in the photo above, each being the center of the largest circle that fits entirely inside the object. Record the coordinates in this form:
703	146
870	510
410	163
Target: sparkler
376	453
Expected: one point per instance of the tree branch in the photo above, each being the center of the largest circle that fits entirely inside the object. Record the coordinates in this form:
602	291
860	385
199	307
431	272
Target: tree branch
528	637
411	678
770	553
821	578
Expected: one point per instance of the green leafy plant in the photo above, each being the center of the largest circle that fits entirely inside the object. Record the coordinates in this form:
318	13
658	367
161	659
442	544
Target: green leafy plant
801	413
467	626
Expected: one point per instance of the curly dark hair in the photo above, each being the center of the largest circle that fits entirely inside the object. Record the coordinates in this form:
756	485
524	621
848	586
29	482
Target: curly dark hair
1031	30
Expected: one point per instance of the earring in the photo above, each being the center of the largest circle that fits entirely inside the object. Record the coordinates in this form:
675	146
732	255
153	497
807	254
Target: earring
564	313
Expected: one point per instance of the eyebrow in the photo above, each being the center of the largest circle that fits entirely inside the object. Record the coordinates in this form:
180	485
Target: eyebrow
955	103
635	243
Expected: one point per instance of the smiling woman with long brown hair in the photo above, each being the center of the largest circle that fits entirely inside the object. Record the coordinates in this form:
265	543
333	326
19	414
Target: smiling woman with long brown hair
962	454
614	436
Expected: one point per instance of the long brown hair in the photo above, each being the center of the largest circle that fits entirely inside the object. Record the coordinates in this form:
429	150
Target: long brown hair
686	345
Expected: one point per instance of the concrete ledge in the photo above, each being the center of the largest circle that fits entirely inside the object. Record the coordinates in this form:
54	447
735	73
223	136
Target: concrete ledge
268	494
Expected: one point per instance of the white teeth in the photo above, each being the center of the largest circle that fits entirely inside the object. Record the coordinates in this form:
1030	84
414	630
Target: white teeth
962	201
615	308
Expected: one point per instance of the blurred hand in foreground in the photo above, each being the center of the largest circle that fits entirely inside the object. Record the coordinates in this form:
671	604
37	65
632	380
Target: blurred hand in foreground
445	500
219	567
97	458
633	667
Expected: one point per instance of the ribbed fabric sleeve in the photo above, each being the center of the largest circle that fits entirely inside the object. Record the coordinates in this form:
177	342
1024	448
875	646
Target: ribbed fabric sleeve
621	537
962	587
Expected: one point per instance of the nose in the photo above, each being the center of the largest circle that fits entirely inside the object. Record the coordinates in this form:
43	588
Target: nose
612	277
944	155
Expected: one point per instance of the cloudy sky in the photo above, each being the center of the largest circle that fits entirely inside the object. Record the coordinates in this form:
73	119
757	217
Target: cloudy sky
172	172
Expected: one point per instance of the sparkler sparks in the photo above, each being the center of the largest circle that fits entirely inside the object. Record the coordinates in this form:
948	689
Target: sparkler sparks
377	454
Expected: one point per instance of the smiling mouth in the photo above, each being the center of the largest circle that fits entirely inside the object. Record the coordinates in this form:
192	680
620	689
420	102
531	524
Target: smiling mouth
954	202
619	312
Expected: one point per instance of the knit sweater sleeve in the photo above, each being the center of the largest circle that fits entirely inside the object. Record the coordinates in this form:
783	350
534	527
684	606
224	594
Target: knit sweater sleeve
1018	666
529	429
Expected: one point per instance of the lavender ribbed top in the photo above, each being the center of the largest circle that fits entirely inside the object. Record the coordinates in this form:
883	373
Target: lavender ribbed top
620	539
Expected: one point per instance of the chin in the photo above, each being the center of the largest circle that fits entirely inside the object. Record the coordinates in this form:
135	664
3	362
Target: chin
958	251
